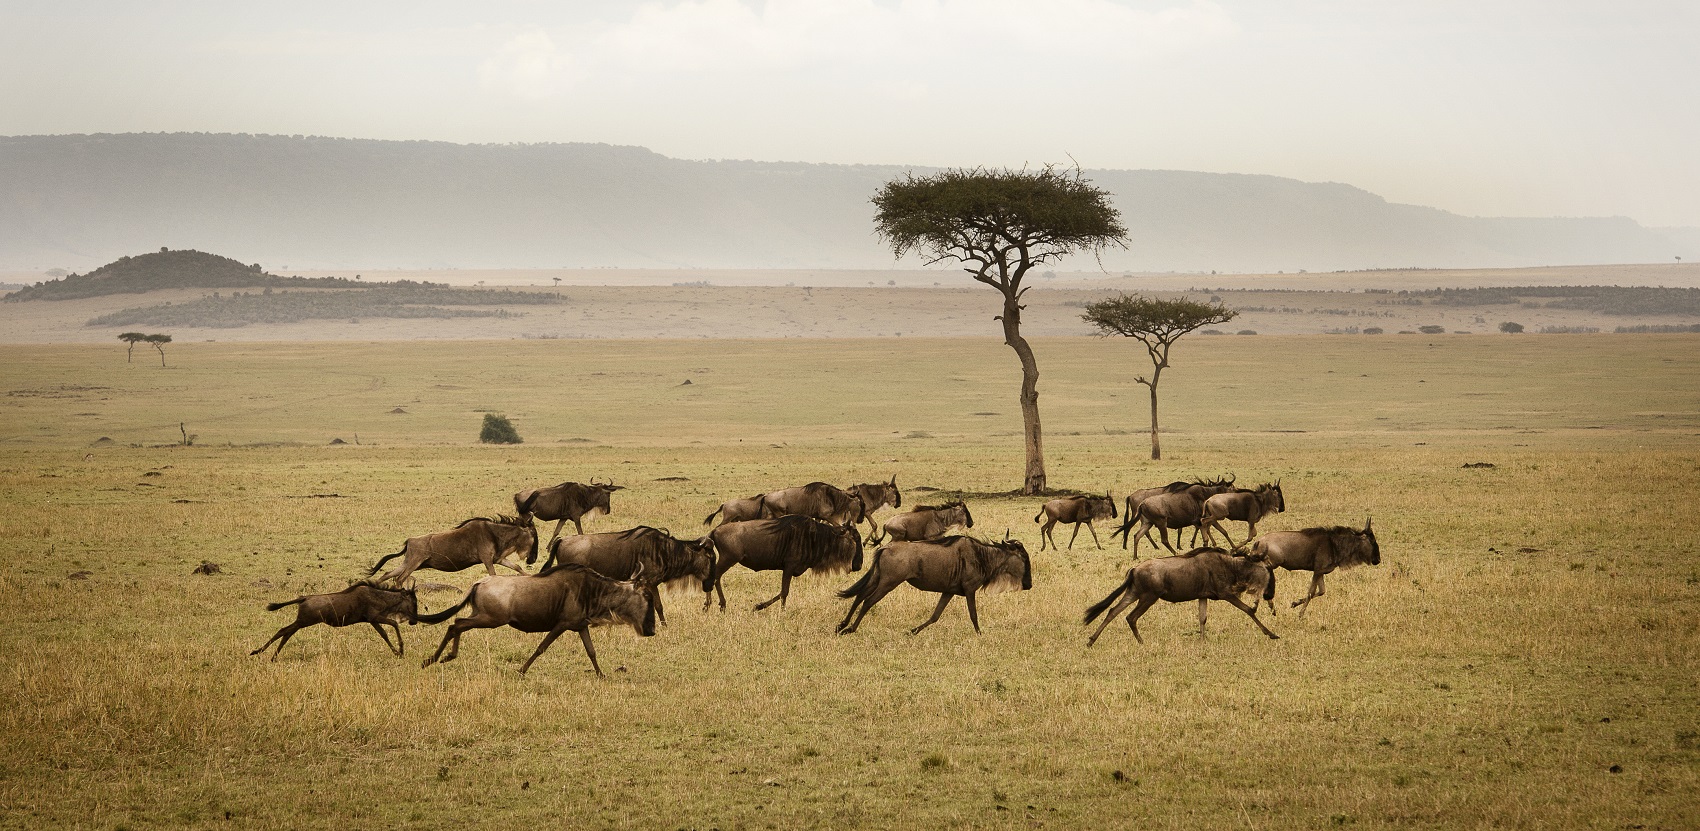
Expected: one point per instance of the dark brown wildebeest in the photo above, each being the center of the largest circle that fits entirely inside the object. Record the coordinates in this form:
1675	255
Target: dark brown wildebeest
1317	550
927	522
477	540
790	544
874	496
737	510
568	501
1242	506
1202	574
566	598
828	503
1074	510
950	566
1198	489
359	603
648	555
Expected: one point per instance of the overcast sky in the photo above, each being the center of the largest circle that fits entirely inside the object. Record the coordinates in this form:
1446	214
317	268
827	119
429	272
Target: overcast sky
1482	107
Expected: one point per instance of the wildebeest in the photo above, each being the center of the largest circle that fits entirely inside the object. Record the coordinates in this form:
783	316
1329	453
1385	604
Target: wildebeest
1243	506
566	598
789	544
474	541
828	503
928	522
875	495
360	603
1198	490
572	501
1317	550
1074	510
1202	574
737	510
648	555
950	566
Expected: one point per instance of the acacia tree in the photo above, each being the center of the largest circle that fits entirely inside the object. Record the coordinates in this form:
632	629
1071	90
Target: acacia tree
1000	224
131	338
1158	324
158	342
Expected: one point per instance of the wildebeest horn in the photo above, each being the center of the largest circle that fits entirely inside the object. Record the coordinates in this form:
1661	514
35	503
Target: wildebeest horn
1006	535
638	573
1367	522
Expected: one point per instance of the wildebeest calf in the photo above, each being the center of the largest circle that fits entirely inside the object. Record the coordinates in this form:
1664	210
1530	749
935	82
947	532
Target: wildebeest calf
949	566
568	501
1317	550
474	541
359	603
1202	574
927	522
1074	510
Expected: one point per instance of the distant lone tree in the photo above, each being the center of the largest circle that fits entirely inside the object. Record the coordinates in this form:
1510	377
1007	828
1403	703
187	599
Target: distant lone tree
1000	224
1157	324
499	430
131	338
1510	328
158	342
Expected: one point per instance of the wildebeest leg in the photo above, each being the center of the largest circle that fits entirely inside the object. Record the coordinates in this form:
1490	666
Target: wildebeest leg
973	612
1133	616
507	560
1045	534
944	600
386	637
784	590
1126	601
453	634
1094	535
1203	614
655	600
1315	591
559	524
873	595
1073	535
580	533
285	633
549	639
589	649
1240	604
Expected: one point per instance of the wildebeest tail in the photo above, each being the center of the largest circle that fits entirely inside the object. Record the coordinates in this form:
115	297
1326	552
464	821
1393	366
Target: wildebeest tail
451	611
1269	587
272	607
1096	609
524	506
867	580
1040	515
380	564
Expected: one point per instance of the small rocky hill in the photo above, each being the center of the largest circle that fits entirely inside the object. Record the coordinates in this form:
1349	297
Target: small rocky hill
166	269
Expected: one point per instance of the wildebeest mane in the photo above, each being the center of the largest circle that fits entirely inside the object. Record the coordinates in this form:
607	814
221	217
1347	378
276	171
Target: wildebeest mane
954	503
813	540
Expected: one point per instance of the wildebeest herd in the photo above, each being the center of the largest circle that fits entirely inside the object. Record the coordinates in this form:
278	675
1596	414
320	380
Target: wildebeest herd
617	577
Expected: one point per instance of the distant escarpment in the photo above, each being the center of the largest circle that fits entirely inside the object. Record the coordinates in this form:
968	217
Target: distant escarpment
310	203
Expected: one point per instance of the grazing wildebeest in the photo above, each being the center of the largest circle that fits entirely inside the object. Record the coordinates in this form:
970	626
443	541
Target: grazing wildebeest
928	522
477	540
359	603
572	501
1198	489
1202	574
874	496
1317	550
820	500
1074	510
654	554
1242	506
950	566
566	598
737	510
790	544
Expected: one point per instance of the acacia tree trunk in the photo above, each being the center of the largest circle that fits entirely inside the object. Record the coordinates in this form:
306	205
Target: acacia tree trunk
1034	481
1156	449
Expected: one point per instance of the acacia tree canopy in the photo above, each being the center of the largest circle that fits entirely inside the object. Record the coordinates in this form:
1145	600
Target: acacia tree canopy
1000	224
1157	323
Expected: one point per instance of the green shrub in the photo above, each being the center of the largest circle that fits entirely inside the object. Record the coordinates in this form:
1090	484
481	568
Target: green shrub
498	430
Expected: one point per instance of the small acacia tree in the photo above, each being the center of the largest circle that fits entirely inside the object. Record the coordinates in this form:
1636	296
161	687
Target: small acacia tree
1510	328
131	338
1158	324
1000	224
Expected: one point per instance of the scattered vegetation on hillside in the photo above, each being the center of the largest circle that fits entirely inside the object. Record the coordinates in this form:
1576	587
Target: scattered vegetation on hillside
406	300
167	269
1611	300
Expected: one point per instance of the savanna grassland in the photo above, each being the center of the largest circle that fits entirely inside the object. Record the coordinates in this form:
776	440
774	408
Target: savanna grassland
1525	656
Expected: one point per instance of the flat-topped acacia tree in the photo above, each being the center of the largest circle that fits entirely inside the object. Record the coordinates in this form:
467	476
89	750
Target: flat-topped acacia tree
1000	224
1157	323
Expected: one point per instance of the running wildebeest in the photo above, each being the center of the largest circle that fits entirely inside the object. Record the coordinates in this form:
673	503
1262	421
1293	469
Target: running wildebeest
1074	510
360	603
1242	506
736	510
828	503
790	544
568	501
1198	489
927	522
1202	574
874	496
660	558
1317	550
566	598
950	566
477	540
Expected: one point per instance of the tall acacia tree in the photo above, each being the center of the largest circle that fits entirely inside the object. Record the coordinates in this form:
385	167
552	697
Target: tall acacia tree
1000	224
1158	324
131	338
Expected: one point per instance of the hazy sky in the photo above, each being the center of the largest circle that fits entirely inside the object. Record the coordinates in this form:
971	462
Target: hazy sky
1483	107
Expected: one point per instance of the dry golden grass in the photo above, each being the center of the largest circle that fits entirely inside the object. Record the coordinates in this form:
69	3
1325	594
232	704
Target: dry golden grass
1524	656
